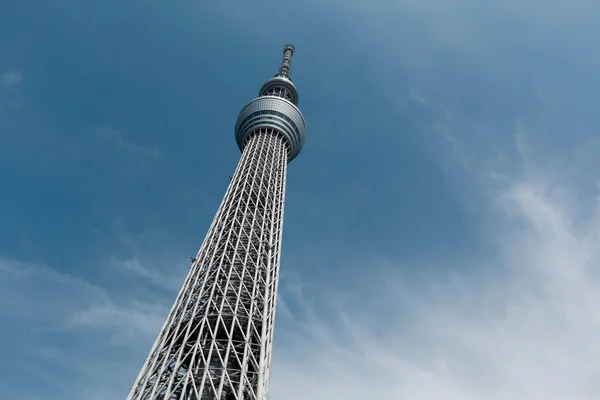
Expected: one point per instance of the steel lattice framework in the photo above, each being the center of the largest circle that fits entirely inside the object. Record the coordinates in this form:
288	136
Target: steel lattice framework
217	339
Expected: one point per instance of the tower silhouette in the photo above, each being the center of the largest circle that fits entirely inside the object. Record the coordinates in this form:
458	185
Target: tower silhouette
217	340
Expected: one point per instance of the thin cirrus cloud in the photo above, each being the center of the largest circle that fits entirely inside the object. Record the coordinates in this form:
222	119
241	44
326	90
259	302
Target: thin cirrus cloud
76	331
524	328
55	301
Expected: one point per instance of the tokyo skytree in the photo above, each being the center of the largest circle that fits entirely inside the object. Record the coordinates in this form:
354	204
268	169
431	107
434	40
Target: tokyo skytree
217	340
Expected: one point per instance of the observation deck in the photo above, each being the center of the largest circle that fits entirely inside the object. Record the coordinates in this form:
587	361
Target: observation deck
275	108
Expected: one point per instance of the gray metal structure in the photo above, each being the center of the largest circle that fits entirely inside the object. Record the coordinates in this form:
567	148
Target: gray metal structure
217	339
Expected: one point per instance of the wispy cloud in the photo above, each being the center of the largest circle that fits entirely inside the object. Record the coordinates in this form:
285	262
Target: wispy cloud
133	267
119	140
58	301
11	78
125	323
523	325
75	327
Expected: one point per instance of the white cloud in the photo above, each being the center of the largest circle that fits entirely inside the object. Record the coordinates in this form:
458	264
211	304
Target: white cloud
57	301
522	326
11	78
134	267
73	328
124	323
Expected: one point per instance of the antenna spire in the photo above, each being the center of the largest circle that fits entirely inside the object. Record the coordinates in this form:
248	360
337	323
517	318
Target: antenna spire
288	52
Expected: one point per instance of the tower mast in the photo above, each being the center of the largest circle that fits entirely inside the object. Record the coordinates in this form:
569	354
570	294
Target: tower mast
217	340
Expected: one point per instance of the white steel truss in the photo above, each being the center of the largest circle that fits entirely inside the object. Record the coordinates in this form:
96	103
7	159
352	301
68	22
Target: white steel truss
216	342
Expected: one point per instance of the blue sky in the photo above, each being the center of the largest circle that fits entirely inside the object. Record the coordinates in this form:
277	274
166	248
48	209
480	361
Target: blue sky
442	223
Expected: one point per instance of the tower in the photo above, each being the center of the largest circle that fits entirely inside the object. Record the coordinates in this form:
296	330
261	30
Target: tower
217	339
